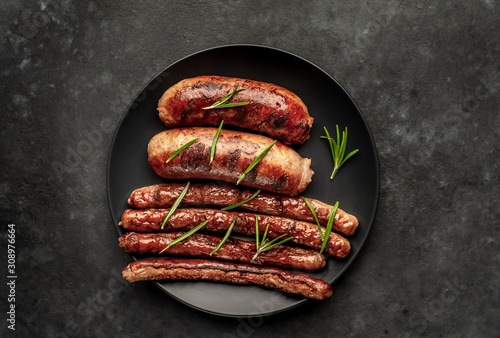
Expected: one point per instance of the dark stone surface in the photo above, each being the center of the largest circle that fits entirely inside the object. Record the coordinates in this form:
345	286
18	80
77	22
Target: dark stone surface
426	74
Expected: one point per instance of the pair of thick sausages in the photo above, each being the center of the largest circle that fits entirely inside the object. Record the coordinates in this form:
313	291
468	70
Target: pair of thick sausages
271	109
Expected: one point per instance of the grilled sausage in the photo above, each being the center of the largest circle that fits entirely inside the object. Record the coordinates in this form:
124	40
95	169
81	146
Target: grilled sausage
163	195
150	220
272	109
282	170
208	270
202	245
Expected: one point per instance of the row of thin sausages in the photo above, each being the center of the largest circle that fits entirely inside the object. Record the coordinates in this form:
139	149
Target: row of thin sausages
145	235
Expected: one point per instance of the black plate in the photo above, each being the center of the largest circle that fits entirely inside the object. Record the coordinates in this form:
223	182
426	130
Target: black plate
356	185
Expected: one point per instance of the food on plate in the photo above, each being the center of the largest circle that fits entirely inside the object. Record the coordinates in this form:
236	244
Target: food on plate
235	273
271	109
183	219
163	195
275	174
202	245
281	170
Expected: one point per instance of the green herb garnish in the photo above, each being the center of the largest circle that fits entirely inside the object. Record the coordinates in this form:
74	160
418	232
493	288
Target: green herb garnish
338	149
175	204
314	214
329	226
222	102
266	244
255	162
243	238
181	149
186	235
257	231
235	205
228	232
214	142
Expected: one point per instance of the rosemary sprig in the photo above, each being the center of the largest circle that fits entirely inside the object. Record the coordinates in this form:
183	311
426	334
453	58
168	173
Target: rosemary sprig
266	244
224	239
175	204
214	142
329	227
222	102
314	215
255	162
181	149
235	205
186	235
338	150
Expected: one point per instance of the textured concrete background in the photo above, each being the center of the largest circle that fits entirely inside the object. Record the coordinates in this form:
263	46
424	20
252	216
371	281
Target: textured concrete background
426	74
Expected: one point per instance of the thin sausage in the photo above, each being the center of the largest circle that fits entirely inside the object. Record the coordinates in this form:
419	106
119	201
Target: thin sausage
209	270
202	245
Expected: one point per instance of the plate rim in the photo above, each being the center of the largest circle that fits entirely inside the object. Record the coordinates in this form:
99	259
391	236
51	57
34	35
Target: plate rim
302	59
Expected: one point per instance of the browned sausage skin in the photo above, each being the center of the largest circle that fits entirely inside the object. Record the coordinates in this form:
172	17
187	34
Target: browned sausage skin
163	195
209	270
150	220
282	170
272	109
202	245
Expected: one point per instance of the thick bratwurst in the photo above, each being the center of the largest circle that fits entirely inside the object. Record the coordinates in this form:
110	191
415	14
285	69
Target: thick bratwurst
272	109
282	170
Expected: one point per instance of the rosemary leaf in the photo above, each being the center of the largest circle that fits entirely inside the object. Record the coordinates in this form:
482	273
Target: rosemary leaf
243	238
350	154
268	243
338	141
181	149
227	97
264	237
214	142
232	104
338	148
235	205
257	242
343	143
255	162
269	246
224	239
314	215
222	102
329	227
186	235
175	204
